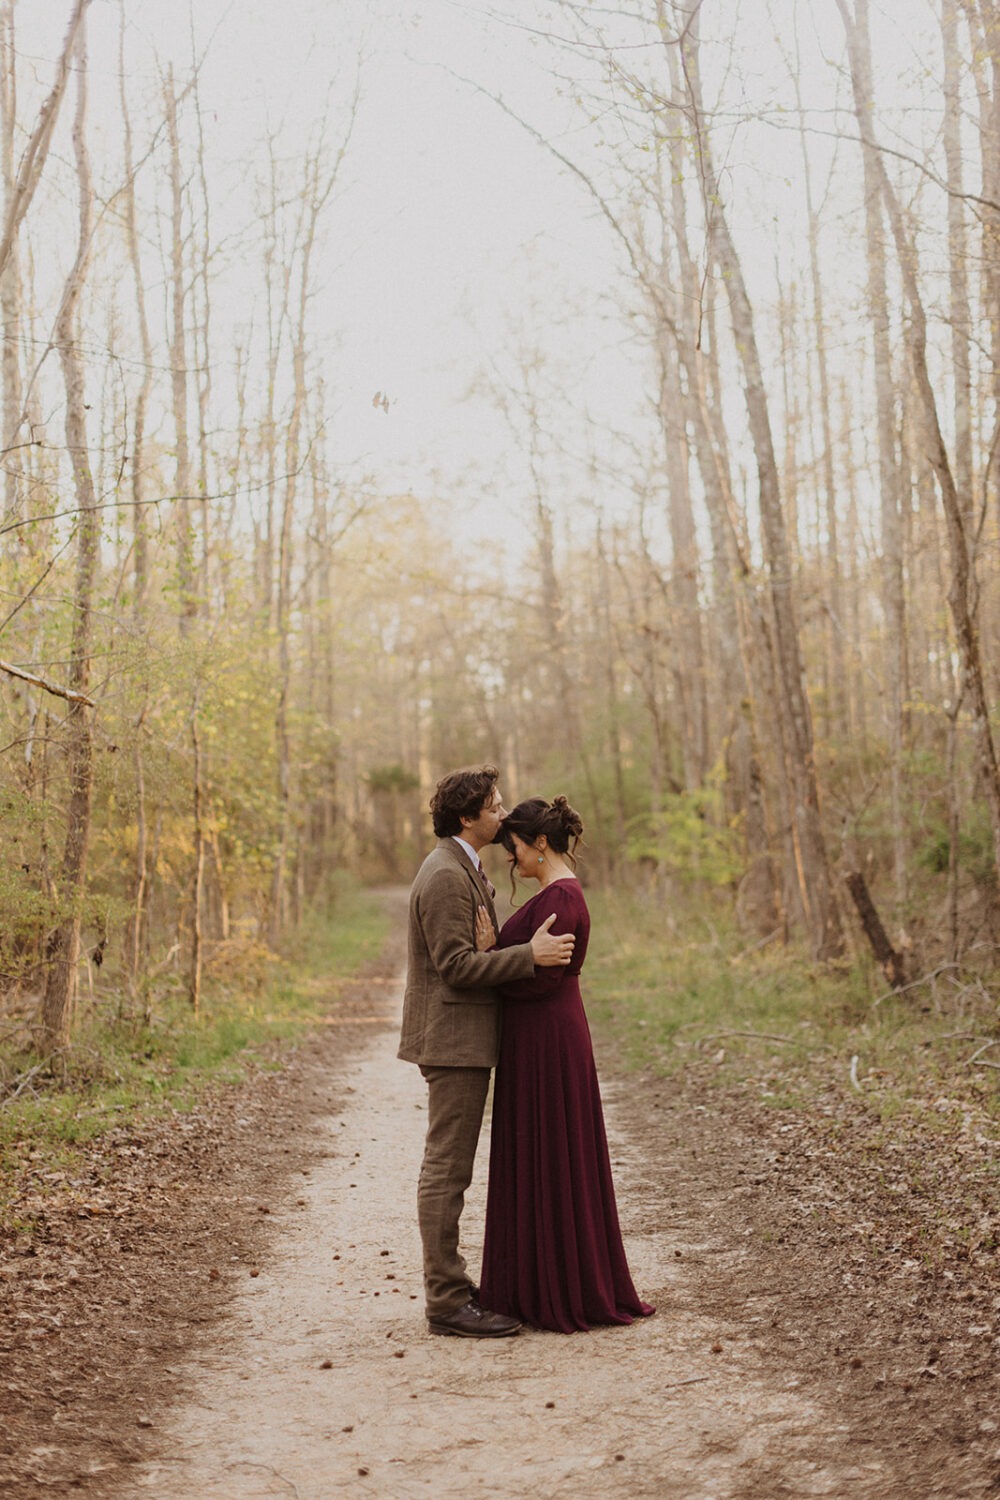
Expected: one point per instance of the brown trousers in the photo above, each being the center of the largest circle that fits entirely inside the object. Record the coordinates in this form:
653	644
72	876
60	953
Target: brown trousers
456	1098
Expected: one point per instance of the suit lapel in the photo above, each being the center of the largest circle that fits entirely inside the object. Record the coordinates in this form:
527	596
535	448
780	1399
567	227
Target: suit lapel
482	895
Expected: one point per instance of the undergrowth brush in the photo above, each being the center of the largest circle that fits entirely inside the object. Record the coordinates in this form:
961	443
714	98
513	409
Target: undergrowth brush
129	1063
695	992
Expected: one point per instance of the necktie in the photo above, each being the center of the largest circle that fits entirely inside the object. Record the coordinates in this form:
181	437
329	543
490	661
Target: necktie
487	883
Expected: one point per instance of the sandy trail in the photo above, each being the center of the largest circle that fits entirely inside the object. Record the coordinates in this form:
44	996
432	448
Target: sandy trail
645	1410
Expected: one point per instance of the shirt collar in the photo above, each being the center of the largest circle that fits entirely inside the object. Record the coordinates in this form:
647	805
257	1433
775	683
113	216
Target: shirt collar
476	862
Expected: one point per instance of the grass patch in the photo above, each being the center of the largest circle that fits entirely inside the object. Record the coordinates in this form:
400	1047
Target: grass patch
673	996
125	1068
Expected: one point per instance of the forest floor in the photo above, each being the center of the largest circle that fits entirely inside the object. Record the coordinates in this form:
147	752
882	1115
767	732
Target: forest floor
228	1304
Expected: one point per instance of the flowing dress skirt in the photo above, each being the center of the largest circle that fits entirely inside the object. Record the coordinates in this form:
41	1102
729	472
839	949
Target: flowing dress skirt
553	1253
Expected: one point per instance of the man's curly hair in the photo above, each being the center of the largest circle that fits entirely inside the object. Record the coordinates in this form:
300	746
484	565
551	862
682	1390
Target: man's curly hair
461	794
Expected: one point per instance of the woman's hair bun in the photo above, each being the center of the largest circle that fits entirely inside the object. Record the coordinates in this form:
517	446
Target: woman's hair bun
529	819
569	818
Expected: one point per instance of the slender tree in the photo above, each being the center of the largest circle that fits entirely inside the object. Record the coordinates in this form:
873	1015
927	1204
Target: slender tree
816	886
64	946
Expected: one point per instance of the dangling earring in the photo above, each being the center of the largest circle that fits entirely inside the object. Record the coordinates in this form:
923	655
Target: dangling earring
541	859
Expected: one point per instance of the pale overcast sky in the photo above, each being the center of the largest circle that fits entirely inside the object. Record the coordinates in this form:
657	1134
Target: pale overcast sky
458	238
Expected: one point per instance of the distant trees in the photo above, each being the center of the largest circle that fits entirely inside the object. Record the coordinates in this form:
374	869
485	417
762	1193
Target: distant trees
227	673
902	777
177	763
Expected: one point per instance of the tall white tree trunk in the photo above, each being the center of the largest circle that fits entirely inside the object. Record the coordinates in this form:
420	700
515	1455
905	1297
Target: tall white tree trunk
64	947
962	587
890	473
821	914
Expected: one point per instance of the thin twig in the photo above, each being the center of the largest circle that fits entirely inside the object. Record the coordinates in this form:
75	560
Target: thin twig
764	1036
246	1463
915	983
23	1082
762	943
979	1051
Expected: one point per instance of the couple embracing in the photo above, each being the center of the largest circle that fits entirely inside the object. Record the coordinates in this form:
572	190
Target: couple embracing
478	998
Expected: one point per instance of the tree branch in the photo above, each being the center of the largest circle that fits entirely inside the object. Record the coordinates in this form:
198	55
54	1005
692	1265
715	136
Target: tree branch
37	149
50	687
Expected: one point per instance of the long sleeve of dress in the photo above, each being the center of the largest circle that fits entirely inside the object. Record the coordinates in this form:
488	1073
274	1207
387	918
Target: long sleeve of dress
559	898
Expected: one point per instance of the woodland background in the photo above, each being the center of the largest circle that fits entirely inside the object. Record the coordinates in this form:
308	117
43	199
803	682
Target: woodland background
750	629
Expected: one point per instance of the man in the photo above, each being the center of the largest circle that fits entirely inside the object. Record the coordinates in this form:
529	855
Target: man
451	1025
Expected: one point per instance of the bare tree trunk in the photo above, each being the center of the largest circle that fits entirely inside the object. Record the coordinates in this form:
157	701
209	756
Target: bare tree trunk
743	639
890	960
821	913
952	712
563	683
37	149
786	311
198	878
839	715
226	540
761	715
961	591
750	682
689	662
140	530
282	737
644	631
64	946
137	911
857	580
201	338
695	312
315	194
888	463
276	319
10	280
983	20
221	894
178	366
611	688
958	275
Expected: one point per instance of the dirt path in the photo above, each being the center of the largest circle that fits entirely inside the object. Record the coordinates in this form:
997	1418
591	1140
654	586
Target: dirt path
324	1378
226	1304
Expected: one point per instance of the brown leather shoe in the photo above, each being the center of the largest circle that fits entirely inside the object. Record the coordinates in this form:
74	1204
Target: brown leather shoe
474	1322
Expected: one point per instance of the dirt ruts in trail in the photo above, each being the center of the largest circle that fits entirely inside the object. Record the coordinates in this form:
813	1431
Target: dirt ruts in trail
249	1324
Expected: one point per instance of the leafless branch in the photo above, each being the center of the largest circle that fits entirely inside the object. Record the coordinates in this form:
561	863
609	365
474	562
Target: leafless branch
762	1036
55	688
33	160
915	983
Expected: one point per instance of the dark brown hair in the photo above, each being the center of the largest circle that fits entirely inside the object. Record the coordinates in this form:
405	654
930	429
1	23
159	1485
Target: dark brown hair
530	819
461	794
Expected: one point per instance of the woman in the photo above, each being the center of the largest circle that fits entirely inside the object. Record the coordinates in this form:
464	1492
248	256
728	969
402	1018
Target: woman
553	1253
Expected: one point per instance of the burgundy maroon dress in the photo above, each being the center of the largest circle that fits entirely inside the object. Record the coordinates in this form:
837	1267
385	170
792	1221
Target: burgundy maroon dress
553	1253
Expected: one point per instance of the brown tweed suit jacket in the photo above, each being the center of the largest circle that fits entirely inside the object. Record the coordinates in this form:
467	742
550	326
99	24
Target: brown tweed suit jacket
451	1012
